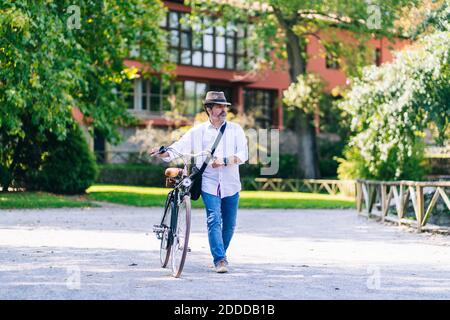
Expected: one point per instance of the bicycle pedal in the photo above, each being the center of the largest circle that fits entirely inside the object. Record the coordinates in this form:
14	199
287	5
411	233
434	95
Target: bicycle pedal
189	249
158	228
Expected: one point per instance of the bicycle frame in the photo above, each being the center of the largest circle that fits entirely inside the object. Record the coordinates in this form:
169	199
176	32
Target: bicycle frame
174	242
173	207
174	198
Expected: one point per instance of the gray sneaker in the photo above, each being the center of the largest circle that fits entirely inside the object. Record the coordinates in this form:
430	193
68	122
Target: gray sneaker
221	267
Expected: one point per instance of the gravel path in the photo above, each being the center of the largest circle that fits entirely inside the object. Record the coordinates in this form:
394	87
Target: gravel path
275	254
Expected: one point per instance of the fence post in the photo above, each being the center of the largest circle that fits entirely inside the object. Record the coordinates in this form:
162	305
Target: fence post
401	197
358	196
383	201
420	207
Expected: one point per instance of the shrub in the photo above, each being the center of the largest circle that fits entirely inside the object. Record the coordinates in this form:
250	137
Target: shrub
287	168
149	175
393	105
353	165
152	175
68	166
329	151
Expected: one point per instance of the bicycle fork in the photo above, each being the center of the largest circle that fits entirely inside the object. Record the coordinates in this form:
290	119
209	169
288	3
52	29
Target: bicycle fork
160	229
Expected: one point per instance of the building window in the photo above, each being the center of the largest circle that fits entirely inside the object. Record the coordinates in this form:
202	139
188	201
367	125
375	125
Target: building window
261	104
193	94
332	60
215	47
190	95
129	94
99	147
151	95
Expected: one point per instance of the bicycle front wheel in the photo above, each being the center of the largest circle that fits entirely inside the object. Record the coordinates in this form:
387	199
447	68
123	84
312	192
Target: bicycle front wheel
181	237
164	250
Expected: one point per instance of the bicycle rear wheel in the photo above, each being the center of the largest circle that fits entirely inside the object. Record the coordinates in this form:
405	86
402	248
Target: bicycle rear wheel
165	248
181	237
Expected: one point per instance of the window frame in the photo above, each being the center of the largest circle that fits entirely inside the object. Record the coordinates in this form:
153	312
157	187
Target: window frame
235	36
139	94
262	95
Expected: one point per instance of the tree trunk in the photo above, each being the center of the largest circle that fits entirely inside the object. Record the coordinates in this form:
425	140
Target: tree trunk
307	147
5	186
6	180
8	176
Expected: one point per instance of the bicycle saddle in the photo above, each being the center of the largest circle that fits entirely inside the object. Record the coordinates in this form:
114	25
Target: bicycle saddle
173	172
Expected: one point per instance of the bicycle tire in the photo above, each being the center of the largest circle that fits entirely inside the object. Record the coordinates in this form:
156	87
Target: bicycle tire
165	248
181	237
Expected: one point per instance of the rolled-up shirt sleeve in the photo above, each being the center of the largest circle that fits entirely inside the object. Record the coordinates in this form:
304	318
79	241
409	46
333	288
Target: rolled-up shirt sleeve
183	145
241	145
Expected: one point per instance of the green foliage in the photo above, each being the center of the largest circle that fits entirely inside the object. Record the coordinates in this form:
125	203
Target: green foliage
68	166
305	94
287	168
280	30
354	166
40	200
151	175
27	156
50	63
328	151
47	66
333	119
268	22
334	129
392	105
435	20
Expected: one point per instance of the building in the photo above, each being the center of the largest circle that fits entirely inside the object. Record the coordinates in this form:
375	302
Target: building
215	63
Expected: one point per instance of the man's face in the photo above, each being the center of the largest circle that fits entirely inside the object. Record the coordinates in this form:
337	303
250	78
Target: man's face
218	112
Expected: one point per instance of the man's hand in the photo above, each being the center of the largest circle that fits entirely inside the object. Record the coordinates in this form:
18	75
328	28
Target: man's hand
217	163
154	152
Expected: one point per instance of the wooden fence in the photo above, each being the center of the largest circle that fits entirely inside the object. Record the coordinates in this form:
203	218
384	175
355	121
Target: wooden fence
378	196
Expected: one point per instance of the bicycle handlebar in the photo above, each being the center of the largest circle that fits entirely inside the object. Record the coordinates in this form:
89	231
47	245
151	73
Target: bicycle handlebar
164	149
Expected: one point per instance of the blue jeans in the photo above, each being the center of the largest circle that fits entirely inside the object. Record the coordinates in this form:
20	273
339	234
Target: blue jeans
221	220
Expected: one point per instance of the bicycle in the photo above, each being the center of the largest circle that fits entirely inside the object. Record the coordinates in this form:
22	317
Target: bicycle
174	229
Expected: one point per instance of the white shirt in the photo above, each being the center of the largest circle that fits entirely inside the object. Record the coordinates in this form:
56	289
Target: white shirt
223	181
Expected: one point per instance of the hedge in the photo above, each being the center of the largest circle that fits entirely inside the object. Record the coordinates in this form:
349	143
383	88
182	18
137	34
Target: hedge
152	175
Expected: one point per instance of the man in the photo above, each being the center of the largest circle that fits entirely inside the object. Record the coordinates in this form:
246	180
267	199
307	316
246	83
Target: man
220	182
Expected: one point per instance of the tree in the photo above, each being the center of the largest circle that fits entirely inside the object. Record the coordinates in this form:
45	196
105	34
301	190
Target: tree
61	54
63	169
392	105
281	29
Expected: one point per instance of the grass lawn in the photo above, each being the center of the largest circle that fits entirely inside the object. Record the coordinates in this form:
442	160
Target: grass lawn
147	197
38	200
